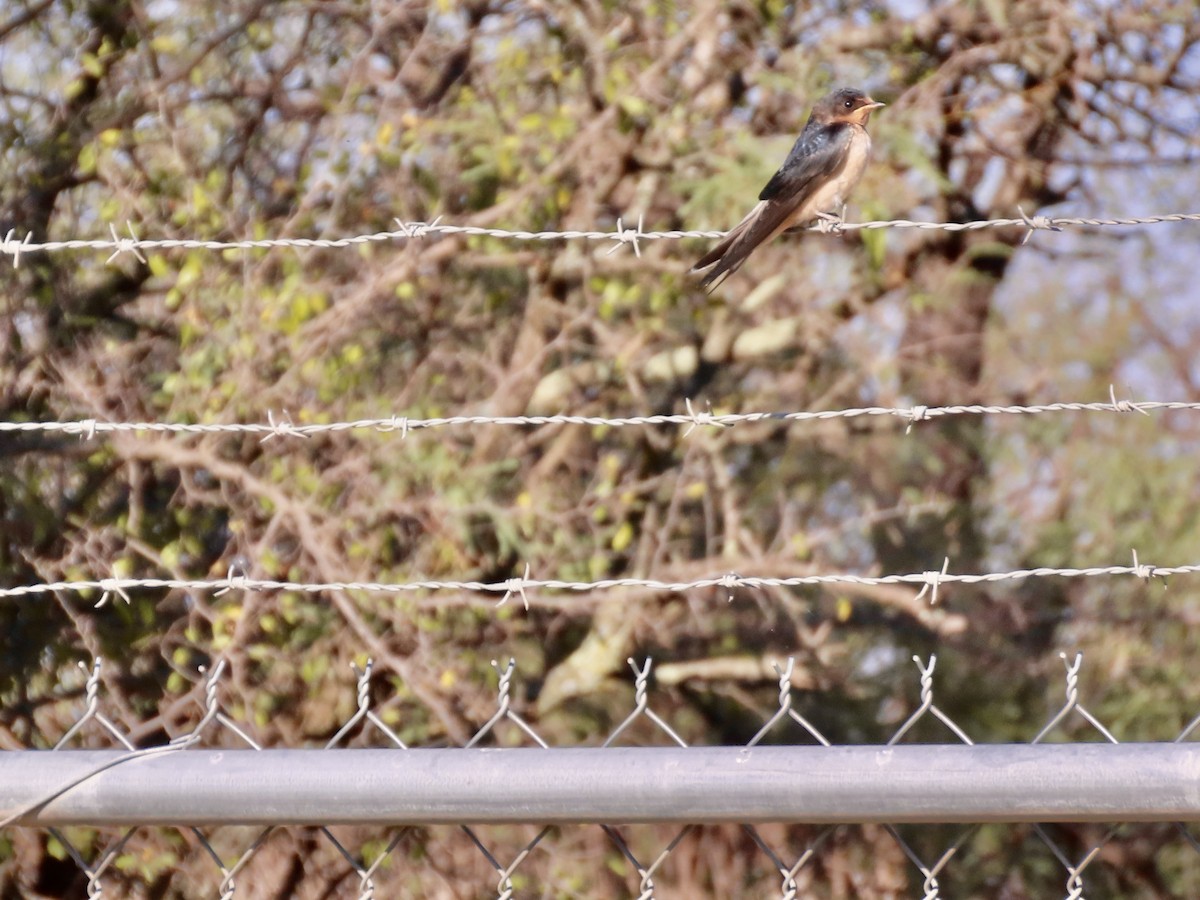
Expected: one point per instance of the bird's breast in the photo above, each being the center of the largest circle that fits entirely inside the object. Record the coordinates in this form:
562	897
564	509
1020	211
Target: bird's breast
832	195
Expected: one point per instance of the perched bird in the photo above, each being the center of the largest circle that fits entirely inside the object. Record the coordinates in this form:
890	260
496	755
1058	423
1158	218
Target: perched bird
814	181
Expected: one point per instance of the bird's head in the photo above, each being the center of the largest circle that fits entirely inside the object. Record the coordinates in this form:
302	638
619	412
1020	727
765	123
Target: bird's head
845	105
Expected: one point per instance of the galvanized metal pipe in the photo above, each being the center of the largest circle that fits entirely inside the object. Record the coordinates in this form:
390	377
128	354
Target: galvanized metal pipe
859	784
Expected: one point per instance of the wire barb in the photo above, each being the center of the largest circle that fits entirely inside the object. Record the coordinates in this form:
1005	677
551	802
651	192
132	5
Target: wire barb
1144	571
933	580
1124	405
914	415
629	236
396	423
235	580
14	247
414	230
516	585
121	245
1036	223
729	581
699	419
112	586
284	427
85	428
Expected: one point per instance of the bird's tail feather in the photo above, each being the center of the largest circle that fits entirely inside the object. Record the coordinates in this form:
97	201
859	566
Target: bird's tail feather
762	224
727	256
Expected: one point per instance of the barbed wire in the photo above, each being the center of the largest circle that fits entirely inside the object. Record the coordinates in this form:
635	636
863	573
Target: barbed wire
622	235
520	585
284	427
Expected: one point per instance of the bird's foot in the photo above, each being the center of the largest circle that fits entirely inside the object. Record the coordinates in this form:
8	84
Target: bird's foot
830	223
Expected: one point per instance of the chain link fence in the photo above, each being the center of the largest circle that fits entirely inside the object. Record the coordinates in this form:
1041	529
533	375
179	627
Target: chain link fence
524	811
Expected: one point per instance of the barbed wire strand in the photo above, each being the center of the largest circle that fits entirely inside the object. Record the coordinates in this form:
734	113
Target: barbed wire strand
622	235
521	585
284	427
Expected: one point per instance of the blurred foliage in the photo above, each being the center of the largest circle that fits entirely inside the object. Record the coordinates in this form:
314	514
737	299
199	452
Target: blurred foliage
253	120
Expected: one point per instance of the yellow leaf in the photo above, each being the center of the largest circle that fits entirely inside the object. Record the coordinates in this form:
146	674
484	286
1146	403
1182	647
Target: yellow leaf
844	609
800	546
632	106
87	159
165	43
199	199
91	64
623	538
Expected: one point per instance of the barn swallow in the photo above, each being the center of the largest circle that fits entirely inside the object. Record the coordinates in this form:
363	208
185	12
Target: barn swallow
814	181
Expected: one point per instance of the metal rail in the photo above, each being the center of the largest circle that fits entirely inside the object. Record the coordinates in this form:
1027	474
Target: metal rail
826	785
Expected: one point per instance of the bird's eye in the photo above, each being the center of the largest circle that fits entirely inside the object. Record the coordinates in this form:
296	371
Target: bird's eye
849	104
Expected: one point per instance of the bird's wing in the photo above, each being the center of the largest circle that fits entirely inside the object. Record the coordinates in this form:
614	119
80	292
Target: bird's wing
818	154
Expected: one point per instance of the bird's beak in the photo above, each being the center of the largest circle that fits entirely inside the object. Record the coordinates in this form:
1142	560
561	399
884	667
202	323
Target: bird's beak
874	104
